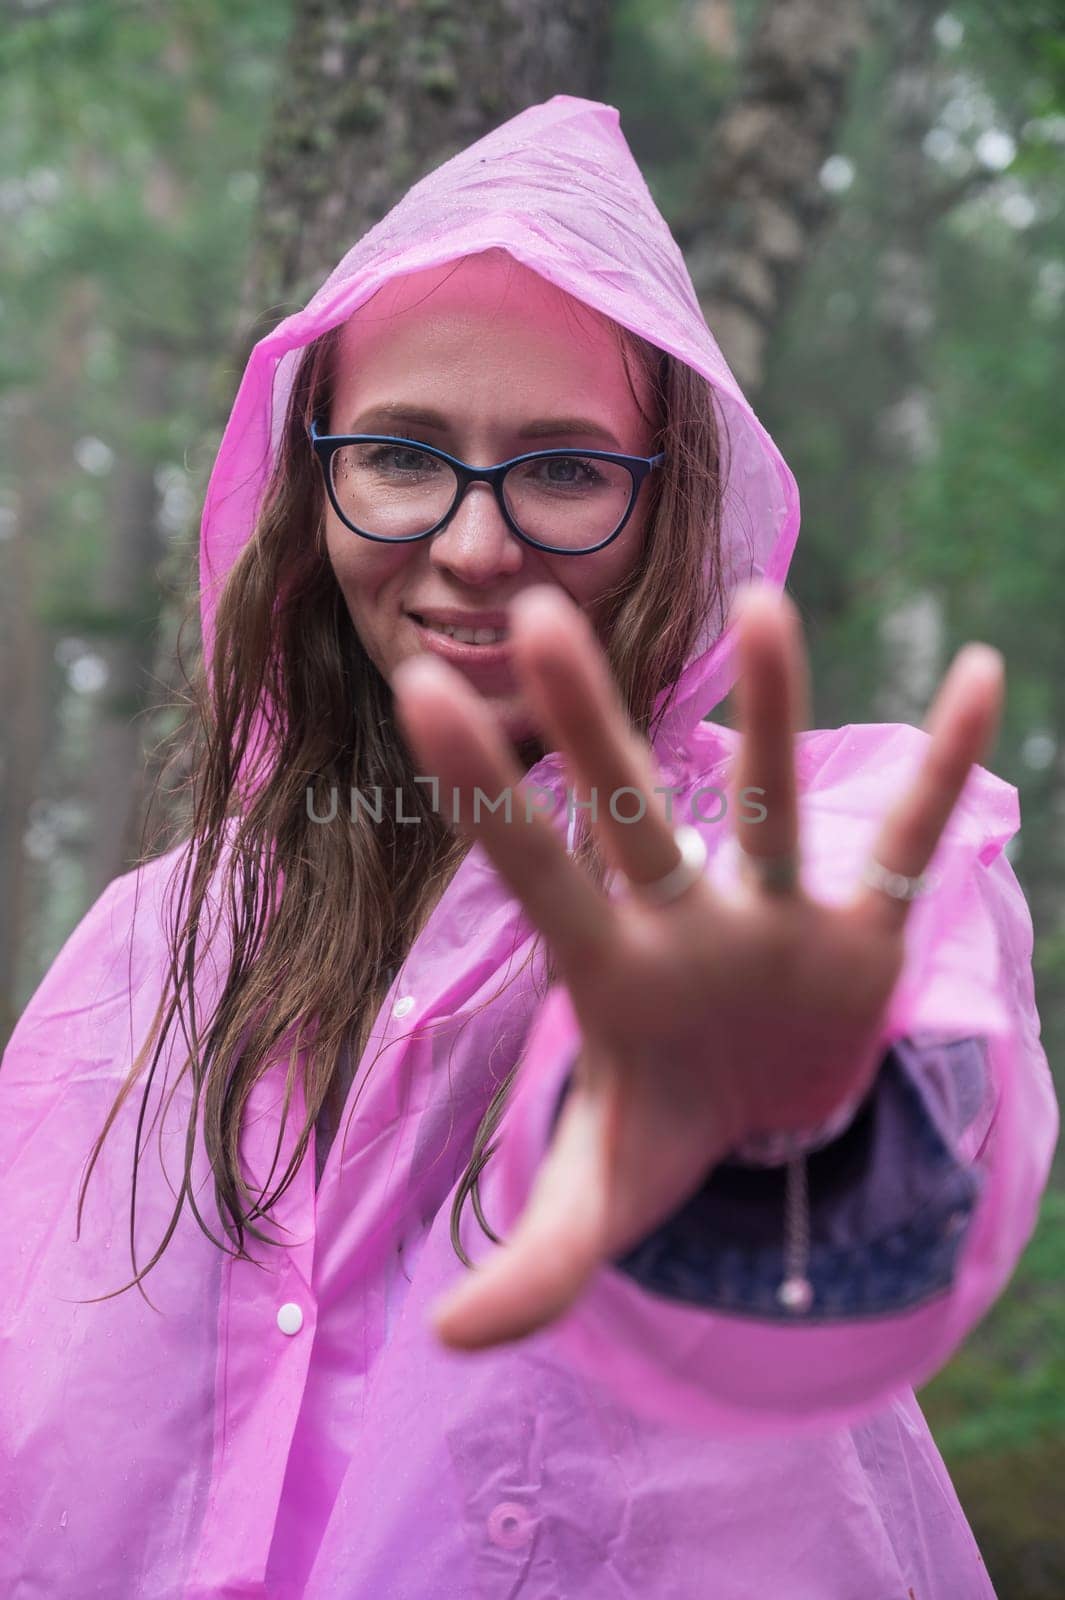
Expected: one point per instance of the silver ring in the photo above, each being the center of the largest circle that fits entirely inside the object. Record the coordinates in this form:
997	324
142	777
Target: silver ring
776	874
689	869
896	884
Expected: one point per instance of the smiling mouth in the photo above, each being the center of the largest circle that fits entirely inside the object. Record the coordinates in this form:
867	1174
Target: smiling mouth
474	636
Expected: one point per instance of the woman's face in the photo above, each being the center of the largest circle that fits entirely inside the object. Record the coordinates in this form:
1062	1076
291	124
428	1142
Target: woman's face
505	363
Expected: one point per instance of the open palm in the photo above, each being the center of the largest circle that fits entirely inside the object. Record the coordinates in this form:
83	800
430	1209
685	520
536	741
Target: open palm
703	1020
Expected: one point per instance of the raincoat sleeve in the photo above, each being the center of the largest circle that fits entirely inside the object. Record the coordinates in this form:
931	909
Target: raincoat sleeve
921	1209
889	1201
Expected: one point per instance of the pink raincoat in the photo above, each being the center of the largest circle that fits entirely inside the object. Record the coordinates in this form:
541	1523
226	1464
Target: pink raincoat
293	1428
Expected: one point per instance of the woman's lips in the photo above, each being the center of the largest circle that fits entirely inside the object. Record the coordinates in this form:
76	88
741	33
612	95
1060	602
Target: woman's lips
488	660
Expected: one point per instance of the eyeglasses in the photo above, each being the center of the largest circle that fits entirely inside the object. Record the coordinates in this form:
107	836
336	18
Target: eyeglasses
399	490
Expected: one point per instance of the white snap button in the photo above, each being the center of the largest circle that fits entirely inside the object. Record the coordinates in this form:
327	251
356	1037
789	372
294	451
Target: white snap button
403	1005
510	1525
290	1318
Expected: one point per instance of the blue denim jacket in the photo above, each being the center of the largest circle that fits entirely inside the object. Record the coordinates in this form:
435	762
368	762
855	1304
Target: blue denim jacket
889	1203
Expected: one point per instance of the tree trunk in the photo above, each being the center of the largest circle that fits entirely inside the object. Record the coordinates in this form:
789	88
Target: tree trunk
372	97
912	631
376	95
129	596
754	217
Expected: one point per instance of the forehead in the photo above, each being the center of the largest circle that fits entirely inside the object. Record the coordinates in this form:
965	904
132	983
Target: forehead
493	340
489	285
483	320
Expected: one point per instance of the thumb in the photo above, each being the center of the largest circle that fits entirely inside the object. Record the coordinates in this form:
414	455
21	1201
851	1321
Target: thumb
556	1246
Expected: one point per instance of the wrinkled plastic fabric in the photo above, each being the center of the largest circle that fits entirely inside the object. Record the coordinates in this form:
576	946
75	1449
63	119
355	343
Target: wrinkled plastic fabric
189	1447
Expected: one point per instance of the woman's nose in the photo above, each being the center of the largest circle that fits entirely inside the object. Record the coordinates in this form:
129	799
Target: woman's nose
477	545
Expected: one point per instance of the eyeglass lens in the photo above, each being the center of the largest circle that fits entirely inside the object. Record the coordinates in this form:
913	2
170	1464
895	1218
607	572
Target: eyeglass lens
396	491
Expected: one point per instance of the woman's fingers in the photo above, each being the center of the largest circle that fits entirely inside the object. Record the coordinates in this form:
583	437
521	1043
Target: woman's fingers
962	722
773	698
557	1244
456	739
575	700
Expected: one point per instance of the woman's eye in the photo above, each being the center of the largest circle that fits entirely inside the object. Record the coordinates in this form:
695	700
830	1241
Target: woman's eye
565	472
401	459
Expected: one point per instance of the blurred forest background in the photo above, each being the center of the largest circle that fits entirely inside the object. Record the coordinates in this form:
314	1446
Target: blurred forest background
869	197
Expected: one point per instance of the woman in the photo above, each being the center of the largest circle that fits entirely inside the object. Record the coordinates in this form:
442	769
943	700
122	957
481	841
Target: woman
759	1151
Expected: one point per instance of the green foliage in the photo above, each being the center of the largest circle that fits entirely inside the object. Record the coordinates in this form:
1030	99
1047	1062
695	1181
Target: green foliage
1006	1388
129	155
669	83
932	297
998	1416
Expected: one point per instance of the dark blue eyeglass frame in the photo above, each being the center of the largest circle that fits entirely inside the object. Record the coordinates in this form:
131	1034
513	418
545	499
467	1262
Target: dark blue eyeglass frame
325	446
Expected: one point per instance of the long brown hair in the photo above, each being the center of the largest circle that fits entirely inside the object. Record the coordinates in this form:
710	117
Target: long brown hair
317	916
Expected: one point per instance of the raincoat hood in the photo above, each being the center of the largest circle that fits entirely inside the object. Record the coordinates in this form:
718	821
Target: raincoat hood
557	188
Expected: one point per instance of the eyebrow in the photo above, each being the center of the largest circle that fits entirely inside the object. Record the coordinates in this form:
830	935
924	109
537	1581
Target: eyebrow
384	418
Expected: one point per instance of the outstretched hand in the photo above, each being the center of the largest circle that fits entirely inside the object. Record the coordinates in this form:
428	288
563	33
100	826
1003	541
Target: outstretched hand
704	1020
